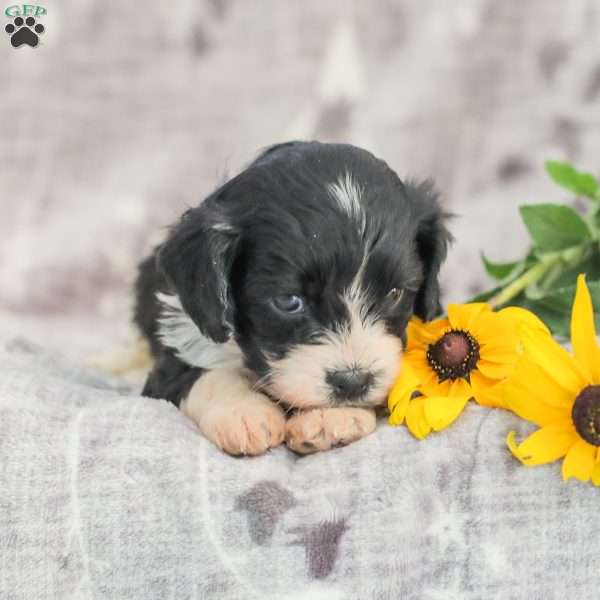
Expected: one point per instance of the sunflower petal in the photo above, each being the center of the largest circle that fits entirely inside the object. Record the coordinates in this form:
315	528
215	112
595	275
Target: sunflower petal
422	334
523	316
415	418
596	473
432	387
495	370
459	387
490	326
462	316
396	418
579	461
583	332
534	396
400	394
442	411
545	445
406	383
511	442
528	408
553	359
500	351
482	389
491	397
417	360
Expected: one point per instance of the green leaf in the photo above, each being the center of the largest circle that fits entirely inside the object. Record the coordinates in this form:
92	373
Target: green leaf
498	270
582	184
554	308
594	218
554	227
562	298
516	270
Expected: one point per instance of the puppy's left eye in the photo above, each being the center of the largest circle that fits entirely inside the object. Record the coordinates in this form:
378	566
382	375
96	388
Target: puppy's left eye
290	304
395	295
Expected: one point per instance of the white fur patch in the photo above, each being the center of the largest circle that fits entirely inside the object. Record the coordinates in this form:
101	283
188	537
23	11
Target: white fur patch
348	195
177	330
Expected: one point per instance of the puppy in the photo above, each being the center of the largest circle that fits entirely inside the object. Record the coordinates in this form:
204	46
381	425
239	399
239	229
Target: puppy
286	293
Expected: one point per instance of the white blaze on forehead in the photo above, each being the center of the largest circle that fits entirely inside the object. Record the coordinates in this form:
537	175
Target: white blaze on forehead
363	343
348	194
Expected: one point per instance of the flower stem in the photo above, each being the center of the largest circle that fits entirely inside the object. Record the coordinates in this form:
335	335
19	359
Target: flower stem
550	262
516	287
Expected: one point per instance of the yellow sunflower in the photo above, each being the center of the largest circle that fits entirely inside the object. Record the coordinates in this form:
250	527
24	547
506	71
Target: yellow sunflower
449	361
560	392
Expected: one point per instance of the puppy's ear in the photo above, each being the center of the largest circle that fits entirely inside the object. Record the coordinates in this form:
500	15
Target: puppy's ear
196	260
432	240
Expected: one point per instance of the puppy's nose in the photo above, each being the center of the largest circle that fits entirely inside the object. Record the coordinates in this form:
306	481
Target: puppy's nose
349	384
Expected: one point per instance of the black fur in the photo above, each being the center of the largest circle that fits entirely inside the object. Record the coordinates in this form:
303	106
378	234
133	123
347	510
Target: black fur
276	230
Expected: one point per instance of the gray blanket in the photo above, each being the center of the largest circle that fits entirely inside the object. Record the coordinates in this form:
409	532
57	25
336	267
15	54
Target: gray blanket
104	494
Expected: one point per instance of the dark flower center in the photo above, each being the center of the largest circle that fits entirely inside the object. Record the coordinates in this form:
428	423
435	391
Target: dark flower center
454	355
586	414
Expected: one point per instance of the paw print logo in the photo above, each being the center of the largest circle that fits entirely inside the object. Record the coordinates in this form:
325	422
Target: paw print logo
24	32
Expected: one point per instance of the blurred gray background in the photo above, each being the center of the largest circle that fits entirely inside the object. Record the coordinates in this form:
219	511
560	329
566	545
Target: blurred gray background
129	112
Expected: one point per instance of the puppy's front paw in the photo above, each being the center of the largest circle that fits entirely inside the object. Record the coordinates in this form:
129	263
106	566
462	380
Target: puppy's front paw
233	416
250	428
324	428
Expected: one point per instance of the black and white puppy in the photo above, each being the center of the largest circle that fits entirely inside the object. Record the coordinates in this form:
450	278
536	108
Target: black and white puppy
287	291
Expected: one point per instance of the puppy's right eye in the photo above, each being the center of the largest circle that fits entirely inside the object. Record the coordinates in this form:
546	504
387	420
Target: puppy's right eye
395	295
290	304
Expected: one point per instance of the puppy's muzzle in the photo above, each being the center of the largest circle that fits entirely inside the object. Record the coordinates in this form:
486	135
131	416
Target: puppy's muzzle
350	384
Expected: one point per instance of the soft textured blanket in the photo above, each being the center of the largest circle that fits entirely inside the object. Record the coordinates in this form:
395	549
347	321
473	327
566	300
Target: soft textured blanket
104	494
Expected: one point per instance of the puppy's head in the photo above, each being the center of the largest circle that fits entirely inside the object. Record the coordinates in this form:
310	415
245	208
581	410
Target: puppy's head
308	266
